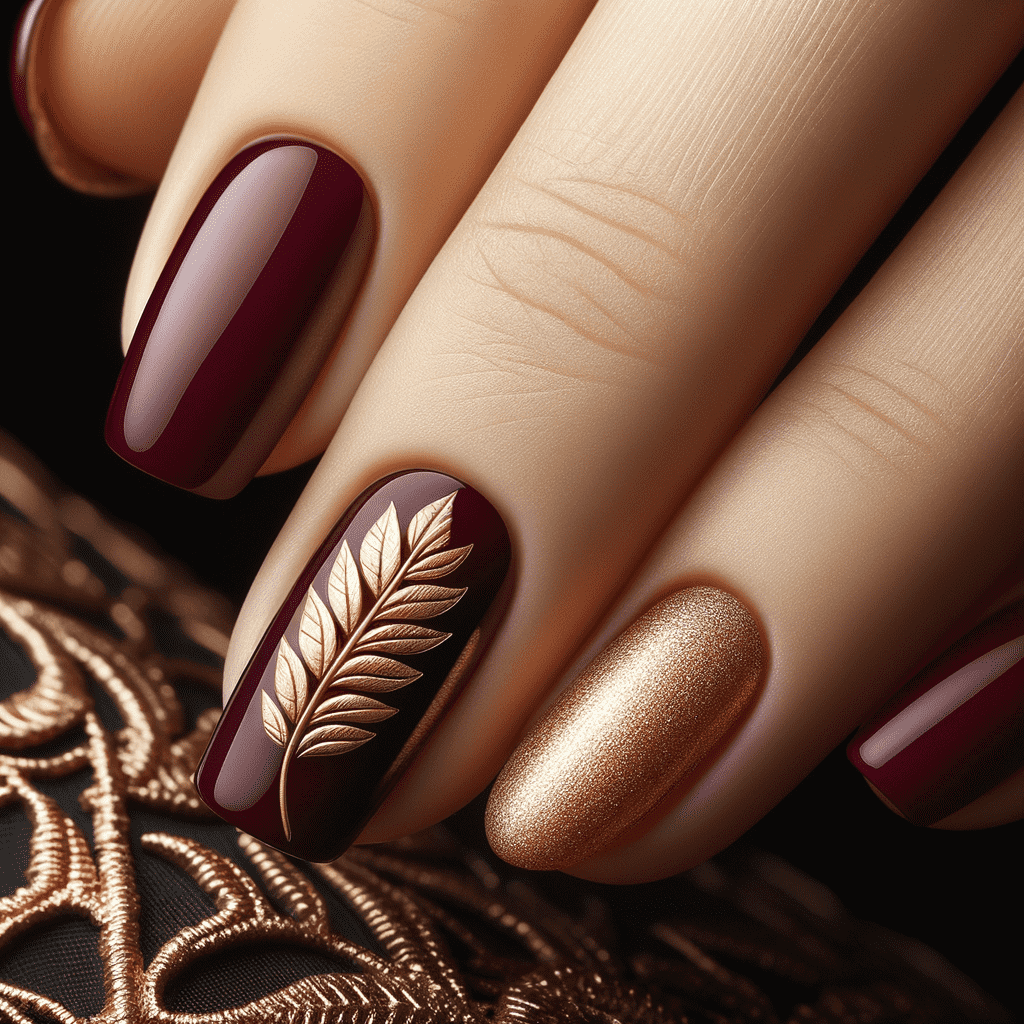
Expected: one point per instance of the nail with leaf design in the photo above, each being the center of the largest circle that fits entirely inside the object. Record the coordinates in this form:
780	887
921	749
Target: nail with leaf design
363	659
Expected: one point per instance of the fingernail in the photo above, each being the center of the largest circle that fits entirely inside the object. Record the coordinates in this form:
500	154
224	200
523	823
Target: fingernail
645	712
25	37
375	641
221	328
63	159
956	730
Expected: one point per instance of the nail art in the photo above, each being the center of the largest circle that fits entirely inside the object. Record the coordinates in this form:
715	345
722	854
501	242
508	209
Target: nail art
222	323
956	730
645	712
375	641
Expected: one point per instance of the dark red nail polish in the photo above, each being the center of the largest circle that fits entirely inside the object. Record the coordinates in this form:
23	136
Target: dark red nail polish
21	48
223	320
956	731
375	641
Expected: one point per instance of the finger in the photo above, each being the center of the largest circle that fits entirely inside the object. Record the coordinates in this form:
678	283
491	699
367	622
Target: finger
103	86
953	734
619	294
455	79
871	500
1001	804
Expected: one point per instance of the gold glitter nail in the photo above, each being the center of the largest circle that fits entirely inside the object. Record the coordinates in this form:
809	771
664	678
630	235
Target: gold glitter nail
645	712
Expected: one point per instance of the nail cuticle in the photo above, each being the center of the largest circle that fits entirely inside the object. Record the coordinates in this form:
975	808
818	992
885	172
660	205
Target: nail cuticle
374	642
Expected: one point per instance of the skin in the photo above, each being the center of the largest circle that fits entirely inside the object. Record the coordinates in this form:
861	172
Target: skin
475	407
594	410
590	370
264	82
893	376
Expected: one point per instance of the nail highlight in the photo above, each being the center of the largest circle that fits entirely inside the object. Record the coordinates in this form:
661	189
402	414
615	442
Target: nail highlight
955	731
222	323
375	641
634	723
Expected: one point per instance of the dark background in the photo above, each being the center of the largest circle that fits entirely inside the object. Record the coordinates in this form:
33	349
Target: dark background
70	256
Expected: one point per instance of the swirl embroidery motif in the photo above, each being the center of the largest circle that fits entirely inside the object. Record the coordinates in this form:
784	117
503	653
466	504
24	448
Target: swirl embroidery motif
443	934
346	650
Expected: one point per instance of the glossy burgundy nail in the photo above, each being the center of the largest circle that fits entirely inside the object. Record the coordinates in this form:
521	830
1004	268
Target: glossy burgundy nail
21	50
956	731
375	641
223	319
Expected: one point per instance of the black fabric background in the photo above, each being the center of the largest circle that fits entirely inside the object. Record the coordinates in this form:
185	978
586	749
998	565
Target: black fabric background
68	260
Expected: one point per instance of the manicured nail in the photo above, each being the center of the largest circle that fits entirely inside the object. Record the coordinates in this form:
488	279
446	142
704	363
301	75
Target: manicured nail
25	38
221	327
645	712
375	641
958	728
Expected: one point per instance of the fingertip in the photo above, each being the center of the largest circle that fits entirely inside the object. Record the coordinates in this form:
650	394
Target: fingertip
40	111
953	734
1001	805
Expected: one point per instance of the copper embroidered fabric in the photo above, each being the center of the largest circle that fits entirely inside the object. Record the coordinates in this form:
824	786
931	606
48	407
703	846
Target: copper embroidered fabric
123	900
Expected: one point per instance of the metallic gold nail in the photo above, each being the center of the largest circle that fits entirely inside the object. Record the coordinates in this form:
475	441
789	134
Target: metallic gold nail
645	712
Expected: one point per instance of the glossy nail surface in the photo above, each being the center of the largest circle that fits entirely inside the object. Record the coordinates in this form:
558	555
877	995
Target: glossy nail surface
21	52
635	722
374	643
956	731
224	317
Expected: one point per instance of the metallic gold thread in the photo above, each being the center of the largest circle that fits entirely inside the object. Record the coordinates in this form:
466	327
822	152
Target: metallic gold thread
452	940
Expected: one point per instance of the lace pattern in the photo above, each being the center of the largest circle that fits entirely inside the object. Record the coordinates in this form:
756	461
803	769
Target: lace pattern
123	900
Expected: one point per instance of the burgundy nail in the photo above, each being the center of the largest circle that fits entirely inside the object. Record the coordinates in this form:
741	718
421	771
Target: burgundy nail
223	319
21	49
956	731
375	641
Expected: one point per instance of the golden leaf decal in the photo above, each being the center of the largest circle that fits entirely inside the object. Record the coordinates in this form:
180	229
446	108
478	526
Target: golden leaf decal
401	638
290	681
273	721
324	720
332	739
431	527
422	602
351	707
318	637
440	564
343	590
372	673
381	551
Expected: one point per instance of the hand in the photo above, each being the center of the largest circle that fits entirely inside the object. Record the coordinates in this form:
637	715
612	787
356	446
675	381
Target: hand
578	336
